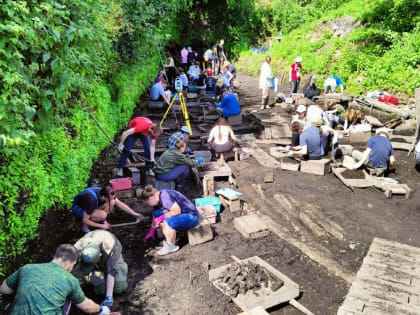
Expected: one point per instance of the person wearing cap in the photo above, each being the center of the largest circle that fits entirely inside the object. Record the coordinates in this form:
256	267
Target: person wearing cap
194	71
172	212
300	117
184	56
229	106
94	204
310	144
144	129
183	134
174	165
379	154
265	81
48	288
352	117
310	90
221	57
191	57
331	83
102	264
294	74
158	93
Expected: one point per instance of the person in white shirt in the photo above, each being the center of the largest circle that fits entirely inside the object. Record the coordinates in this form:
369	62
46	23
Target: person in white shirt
265	77
315	113
221	138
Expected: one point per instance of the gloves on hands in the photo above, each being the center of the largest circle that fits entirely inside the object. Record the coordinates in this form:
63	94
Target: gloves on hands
158	220
104	310
120	148
200	160
216	104
108	302
150	235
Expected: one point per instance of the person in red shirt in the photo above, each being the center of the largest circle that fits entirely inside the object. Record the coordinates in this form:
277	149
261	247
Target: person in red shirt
139	128
294	74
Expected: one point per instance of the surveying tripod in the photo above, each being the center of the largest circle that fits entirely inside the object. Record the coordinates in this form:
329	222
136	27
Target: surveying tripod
178	88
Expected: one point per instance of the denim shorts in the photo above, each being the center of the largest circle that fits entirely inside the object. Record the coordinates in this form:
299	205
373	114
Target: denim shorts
183	221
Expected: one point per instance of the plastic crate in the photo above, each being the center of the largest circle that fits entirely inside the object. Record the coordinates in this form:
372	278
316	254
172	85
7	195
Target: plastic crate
121	183
214	201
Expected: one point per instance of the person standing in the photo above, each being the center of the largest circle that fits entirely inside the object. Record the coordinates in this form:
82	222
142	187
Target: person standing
184	60
49	288
294	74
170	70
144	129
265	77
221	57
231	68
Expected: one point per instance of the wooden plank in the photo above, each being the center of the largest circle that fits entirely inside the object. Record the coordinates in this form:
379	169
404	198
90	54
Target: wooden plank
267	133
401	146
262	157
275	132
250	226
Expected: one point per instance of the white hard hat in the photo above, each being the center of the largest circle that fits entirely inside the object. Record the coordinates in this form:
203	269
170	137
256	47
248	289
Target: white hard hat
298	59
301	109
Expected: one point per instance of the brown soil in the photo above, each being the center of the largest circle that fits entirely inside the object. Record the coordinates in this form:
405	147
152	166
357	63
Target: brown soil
178	283
402	140
353	174
289	160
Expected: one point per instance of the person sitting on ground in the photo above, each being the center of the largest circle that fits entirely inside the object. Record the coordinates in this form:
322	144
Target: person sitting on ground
331	115
229	106
310	90
301	118
184	135
183	77
315	113
194	71
94	204
174	165
173	212
48	288
144	129
331	83
102	264
158	93
352	117
295	75
221	137
310	145
379	154
191	57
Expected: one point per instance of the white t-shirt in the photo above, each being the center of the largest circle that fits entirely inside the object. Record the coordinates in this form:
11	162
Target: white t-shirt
418	147
265	75
224	131
314	113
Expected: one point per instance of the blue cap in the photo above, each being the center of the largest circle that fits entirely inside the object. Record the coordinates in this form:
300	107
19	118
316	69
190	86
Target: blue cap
185	129
189	48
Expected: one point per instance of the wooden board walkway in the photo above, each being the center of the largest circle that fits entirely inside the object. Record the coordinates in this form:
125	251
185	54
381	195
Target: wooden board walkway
387	283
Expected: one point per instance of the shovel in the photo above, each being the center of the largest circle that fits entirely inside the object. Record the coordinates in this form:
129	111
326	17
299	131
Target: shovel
138	220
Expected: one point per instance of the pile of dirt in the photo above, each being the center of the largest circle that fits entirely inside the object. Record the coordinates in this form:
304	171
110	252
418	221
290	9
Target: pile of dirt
353	174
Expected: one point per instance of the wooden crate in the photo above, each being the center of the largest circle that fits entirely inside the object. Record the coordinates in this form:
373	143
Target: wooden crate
250	226
316	167
201	233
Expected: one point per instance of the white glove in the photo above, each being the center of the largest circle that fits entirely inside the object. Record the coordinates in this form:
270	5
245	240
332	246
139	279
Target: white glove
104	310
120	147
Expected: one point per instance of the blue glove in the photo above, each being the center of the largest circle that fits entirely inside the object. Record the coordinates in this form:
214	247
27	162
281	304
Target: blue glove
109	301
216	104
104	310
199	160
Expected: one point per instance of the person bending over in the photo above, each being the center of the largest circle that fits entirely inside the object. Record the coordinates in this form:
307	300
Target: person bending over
184	135
221	138
229	106
352	117
94	204
48	288
173	212
310	144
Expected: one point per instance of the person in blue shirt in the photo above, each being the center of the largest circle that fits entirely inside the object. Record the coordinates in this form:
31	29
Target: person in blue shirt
158	93
310	144
229	106
331	83
173	212
194	71
379	154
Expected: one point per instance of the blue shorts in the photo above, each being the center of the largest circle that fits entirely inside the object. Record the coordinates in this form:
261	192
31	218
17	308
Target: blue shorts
183	221
77	211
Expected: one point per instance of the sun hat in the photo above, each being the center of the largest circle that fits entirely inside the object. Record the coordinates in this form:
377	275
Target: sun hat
383	131
313	79
298	59
89	256
301	109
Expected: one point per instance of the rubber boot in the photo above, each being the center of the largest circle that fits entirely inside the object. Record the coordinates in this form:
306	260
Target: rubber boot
264	102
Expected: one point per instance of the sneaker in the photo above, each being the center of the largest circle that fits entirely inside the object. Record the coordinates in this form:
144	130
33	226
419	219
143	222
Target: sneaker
120	172
262	107
85	228
150	172
167	249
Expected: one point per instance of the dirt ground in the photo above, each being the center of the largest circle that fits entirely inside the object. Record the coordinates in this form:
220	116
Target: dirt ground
178	283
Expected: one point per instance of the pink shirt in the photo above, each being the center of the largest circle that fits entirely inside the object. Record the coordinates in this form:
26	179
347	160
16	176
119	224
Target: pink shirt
296	67
184	54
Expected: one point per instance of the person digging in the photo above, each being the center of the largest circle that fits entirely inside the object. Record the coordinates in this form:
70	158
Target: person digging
102	264
144	129
173	212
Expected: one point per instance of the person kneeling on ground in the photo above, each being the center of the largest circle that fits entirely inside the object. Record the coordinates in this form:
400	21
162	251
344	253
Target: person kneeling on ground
309	140
221	138
139	128
173	212
158	93
183	135
229	106
352	117
102	264
378	154
94	204
331	115
310	90
48	288
173	164
301	118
